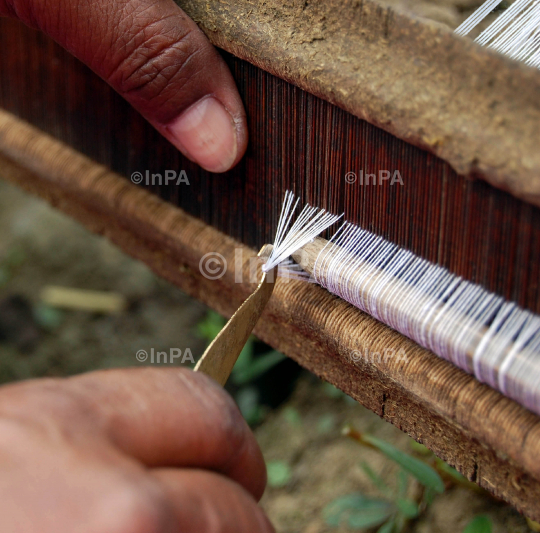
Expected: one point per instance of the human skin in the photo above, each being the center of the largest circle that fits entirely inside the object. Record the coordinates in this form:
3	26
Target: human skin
157	58
141	450
145	450
135	451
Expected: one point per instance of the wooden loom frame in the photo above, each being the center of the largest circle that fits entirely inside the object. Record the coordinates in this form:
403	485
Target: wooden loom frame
486	436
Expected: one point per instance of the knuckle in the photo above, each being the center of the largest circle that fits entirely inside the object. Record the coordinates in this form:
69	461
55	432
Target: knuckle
154	59
230	429
46	404
127	502
13	433
136	507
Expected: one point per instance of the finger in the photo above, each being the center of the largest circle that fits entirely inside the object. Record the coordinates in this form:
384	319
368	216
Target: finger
157	58
205	502
162	417
48	485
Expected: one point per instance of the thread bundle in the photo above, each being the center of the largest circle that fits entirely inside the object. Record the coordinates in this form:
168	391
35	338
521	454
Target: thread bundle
516	32
478	331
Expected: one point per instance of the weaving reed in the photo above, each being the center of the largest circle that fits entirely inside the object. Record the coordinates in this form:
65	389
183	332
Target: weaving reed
298	142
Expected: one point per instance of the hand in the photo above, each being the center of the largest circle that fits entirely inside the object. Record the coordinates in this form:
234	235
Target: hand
156	57
127	451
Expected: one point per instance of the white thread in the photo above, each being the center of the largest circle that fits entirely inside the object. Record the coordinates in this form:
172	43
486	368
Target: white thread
478	16
311	222
478	331
290	270
458	320
516	32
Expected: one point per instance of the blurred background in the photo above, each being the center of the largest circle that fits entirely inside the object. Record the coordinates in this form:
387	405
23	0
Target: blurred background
333	466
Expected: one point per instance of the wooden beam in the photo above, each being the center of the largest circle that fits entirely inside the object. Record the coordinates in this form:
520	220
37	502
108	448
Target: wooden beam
476	109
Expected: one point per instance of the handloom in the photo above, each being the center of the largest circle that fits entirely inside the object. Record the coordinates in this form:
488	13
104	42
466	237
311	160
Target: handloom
335	91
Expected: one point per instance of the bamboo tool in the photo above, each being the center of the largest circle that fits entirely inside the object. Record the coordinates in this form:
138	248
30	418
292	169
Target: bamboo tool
219	358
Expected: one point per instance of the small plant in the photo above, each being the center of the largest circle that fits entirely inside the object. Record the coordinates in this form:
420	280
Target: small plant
10	264
279	473
247	369
479	524
396	507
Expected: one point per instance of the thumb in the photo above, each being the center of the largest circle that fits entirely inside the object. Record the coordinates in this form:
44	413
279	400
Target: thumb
157	58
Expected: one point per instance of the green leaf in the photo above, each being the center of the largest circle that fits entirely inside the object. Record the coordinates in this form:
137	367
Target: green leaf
326	423
358	511
377	480
452	472
349	399
407	507
244	359
292	416
479	524
416	468
403	483
279	473
211	325
247	399
533	526
331	391
429	496
418	448
387	528
48	317
369	517
258	366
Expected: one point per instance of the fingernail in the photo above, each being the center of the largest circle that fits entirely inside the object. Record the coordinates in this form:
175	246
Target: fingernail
206	133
